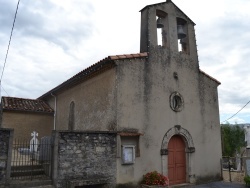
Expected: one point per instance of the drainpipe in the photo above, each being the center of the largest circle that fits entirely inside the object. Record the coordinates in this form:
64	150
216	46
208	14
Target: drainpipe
54	111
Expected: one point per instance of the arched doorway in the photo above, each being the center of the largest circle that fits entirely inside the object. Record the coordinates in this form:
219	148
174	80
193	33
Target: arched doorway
176	160
179	132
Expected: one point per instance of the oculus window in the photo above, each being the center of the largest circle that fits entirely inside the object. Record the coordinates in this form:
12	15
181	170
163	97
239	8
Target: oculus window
176	102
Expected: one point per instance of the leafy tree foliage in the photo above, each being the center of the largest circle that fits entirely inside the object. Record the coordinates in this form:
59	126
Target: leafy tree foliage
233	138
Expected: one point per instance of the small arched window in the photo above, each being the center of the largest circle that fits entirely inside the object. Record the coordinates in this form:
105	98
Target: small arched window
71	124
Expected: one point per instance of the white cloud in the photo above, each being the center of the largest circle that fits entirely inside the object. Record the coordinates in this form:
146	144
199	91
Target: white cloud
55	39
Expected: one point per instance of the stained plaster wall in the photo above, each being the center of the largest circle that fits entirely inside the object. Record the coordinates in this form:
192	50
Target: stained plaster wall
94	101
143	103
25	123
142	88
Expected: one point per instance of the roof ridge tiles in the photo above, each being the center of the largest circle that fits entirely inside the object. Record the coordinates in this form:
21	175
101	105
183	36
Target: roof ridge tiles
21	104
93	68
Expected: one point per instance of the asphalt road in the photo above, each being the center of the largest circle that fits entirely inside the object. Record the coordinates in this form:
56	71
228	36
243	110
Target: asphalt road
220	185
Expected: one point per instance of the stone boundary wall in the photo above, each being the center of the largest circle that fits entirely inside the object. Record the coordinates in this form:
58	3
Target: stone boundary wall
83	158
6	138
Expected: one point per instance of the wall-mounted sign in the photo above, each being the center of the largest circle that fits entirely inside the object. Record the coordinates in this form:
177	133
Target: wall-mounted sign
128	154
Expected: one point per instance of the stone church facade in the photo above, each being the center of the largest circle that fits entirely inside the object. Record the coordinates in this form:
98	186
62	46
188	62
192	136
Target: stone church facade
162	106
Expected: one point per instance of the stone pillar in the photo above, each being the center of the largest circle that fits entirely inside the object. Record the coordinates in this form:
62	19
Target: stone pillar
247	152
6	139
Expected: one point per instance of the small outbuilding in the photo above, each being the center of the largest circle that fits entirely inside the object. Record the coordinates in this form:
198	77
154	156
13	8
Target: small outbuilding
26	116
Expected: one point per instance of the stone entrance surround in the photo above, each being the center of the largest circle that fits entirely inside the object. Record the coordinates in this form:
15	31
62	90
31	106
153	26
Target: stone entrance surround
190	149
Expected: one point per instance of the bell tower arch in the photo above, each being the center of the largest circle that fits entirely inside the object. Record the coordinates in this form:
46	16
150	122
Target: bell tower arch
165	26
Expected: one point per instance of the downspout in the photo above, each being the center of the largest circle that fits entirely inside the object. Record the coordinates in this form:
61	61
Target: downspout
54	111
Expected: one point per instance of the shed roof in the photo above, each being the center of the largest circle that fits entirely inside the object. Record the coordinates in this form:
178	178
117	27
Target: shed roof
92	70
28	105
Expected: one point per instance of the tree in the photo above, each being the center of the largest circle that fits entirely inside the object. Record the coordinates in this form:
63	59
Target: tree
233	138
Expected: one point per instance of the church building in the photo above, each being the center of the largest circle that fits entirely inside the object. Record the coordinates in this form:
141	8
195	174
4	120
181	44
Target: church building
162	106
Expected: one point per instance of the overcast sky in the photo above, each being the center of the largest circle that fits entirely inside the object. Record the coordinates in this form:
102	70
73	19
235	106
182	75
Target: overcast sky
55	39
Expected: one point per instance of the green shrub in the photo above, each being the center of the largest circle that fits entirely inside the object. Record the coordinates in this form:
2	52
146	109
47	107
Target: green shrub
247	180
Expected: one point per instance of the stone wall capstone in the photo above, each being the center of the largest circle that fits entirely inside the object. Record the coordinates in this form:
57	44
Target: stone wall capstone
84	158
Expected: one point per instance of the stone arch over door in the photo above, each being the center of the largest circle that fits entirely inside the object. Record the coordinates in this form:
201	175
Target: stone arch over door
190	149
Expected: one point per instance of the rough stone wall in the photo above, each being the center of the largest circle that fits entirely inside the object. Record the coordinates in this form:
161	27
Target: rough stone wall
5	140
84	156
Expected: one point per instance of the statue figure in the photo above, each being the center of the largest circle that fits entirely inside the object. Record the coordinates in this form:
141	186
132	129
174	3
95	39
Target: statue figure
247	135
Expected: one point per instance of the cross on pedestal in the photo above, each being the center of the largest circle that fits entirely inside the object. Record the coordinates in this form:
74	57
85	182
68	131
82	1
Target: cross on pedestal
34	134
34	142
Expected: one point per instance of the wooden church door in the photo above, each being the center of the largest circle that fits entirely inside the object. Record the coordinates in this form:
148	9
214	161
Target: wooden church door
176	160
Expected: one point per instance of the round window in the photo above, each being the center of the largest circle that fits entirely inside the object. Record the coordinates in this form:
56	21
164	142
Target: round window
176	102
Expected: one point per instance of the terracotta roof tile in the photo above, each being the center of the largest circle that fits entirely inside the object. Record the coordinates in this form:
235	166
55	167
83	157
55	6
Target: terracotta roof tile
137	55
114	57
122	56
20	104
101	65
128	56
145	54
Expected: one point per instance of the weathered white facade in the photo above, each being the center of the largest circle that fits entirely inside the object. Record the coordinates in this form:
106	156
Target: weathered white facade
144	100
159	101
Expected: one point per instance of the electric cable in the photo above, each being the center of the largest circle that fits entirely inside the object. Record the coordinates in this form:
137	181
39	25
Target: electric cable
9	45
236	112
5	91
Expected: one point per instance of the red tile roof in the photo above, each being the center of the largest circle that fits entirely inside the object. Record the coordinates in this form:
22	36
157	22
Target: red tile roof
29	105
104	64
128	56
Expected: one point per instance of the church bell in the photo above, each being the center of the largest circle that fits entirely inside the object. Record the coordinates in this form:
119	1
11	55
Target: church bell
180	32
159	23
